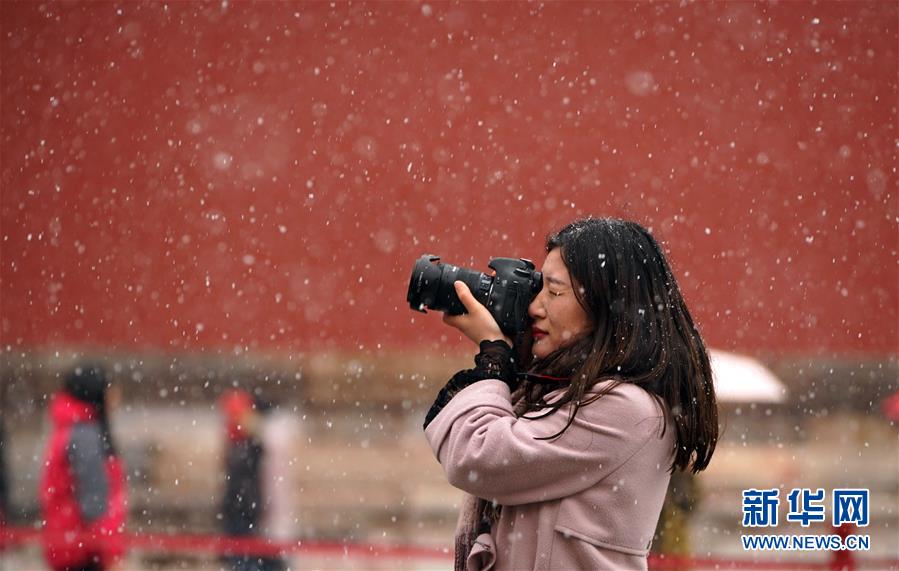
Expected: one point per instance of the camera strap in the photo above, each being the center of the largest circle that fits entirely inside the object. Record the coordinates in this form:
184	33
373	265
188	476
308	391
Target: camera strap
542	379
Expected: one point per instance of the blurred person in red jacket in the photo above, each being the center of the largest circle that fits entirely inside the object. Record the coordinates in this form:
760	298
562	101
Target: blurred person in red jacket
83	493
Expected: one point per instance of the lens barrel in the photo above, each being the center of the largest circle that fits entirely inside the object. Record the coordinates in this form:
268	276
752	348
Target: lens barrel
431	286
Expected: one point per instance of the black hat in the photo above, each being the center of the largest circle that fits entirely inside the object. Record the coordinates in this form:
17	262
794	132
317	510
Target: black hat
87	382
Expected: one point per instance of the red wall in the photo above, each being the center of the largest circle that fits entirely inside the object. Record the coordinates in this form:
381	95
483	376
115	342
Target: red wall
205	176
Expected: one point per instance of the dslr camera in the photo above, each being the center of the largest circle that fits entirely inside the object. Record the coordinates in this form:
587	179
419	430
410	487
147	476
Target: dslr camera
507	294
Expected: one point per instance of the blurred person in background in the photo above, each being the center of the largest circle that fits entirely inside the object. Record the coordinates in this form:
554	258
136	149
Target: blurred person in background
247	505
672	538
4	486
83	493
567	458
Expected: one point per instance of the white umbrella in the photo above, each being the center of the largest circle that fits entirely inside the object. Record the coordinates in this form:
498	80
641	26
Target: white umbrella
739	378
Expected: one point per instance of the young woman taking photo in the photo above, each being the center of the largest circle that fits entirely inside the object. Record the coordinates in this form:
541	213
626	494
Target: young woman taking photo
566	459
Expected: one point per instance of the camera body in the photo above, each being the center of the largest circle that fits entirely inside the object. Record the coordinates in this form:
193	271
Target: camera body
507	294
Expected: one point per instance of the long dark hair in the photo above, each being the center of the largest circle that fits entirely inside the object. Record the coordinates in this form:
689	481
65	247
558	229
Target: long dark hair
643	334
87	383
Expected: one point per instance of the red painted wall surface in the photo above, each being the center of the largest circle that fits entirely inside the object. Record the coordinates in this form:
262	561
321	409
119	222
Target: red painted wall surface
211	176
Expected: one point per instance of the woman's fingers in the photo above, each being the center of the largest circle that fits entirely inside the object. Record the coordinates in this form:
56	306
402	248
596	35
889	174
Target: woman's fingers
452	320
478	324
475	309
467	298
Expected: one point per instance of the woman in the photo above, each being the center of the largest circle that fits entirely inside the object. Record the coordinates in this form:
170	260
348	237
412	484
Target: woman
567	464
83	485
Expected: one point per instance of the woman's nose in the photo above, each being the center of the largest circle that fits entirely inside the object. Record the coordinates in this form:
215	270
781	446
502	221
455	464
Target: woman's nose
535	310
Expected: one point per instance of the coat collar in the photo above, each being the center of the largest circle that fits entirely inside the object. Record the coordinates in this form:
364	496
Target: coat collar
66	409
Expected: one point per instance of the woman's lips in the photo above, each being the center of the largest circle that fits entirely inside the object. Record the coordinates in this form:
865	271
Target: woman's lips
538	334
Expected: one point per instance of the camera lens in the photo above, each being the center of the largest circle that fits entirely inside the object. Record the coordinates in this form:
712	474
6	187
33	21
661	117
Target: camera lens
424	283
431	286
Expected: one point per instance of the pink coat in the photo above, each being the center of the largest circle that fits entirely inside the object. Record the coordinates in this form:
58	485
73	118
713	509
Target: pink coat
587	500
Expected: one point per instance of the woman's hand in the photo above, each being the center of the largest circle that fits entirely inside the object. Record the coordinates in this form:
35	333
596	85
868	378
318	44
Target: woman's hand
478	324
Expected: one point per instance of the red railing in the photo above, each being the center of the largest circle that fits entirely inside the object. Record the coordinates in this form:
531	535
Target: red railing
219	545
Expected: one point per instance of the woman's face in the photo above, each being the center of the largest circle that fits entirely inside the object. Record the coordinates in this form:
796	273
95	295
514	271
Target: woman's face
557	314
